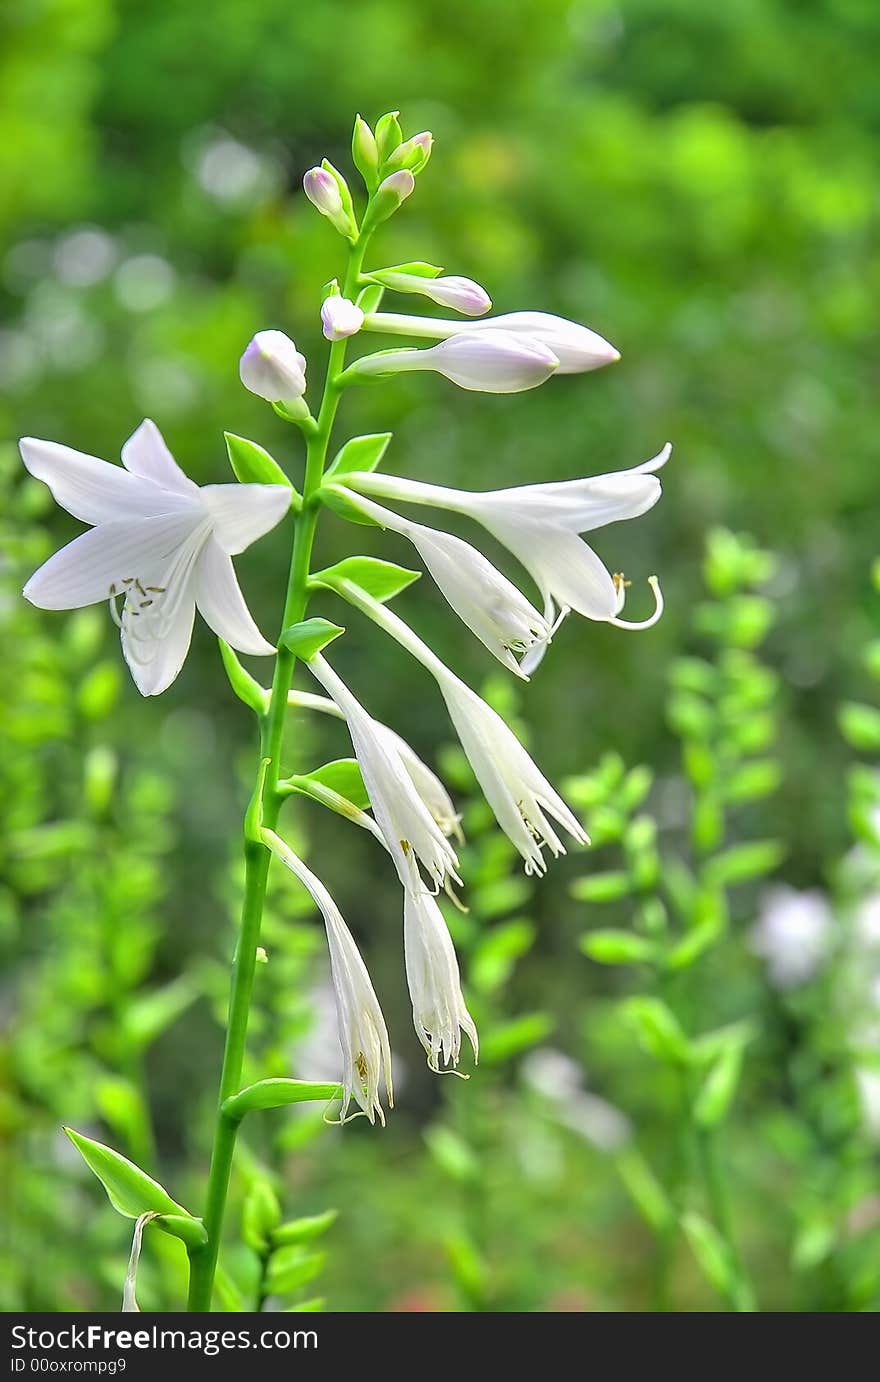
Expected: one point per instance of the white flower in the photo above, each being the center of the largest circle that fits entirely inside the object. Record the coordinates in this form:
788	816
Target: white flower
341	318
515	788
459	294
273	368
540	525
410	833
576	347
439	1012
485	600
363	1035
324	193
793	935
159	543
483	362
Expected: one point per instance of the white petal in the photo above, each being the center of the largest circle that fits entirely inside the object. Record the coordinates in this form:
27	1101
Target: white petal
221	603
86	570
242	513
155	663
563	566
92	490
145	453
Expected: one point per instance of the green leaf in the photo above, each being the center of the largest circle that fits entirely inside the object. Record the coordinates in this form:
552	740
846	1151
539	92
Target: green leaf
149	1015
468	1267
611	947
277	1093
514	1037
601	887
251	464
743	862
497	952
291	1268
752	781
130	1190
381	579
645	1190
417	268
860	726
309	637
716	1261
369	299
228	1293
717	1091
696	941
452	1154
311	1306
344	504
659	1030
260	1215
342	776
246	687
358	454
388	134
183	1226
304	1230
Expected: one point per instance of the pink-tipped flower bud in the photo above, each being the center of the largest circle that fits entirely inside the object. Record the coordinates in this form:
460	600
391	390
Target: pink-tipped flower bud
323	191
412	154
273	368
341	317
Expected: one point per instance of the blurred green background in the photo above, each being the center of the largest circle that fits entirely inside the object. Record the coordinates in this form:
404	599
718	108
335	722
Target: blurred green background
696	183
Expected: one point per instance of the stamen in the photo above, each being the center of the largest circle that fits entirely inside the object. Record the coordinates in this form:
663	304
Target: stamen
643	623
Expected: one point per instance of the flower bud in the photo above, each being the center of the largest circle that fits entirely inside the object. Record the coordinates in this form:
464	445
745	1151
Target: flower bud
482	361
577	347
341	317
412	154
388	134
458	294
364	152
324	192
273	368
390	194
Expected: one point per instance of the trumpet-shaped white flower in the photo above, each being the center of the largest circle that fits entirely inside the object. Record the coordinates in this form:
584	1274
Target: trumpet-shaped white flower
483	362
273	368
410	832
341	318
576	347
439	1012
518	792
159	543
363	1035
540	525
460	294
491	606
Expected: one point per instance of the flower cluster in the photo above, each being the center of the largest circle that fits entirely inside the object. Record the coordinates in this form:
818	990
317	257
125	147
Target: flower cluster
160	547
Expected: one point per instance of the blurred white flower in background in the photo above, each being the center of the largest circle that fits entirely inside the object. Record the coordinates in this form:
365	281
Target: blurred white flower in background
560	1080
143	282
84	256
793	935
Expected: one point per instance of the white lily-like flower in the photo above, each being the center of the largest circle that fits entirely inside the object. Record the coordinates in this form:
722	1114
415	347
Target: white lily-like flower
576	347
460	294
540	525
485	600
273	368
483	362
439	1012
159	543
426	782
363	1036
410	832
340	318
520	796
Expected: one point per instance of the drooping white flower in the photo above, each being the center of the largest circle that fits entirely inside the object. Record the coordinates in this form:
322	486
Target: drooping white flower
426	782
273	368
520	796
459	294
793	935
484	599
410	832
576	347
159	543
439	1012
363	1035
340	317
483	362
540	524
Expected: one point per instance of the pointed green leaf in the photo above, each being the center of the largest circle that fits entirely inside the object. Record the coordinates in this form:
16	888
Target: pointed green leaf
292	1267
183	1226
743	862
312	1306
659	1030
309	637
360	453
416	268
260	1216
645	1190
610	947
246	687
497	951
304	1230
369	299
717	1091
516	1036
149	1015
277	1093
381	579
343	776
601	887
388	134
130	1190
344	504
251	464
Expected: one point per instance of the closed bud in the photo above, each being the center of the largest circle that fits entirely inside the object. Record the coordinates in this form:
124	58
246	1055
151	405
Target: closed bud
365	153
273	368
388	135
412	154
340	317
390	194
459	294
324	192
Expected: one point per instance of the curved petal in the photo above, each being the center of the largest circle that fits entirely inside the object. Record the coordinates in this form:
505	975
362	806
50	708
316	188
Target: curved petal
145	453
155	663
563	566
94	491
242	513
221	603
101	562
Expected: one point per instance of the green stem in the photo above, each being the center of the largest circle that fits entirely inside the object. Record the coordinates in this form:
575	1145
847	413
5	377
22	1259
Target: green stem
203	1263
740	1297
